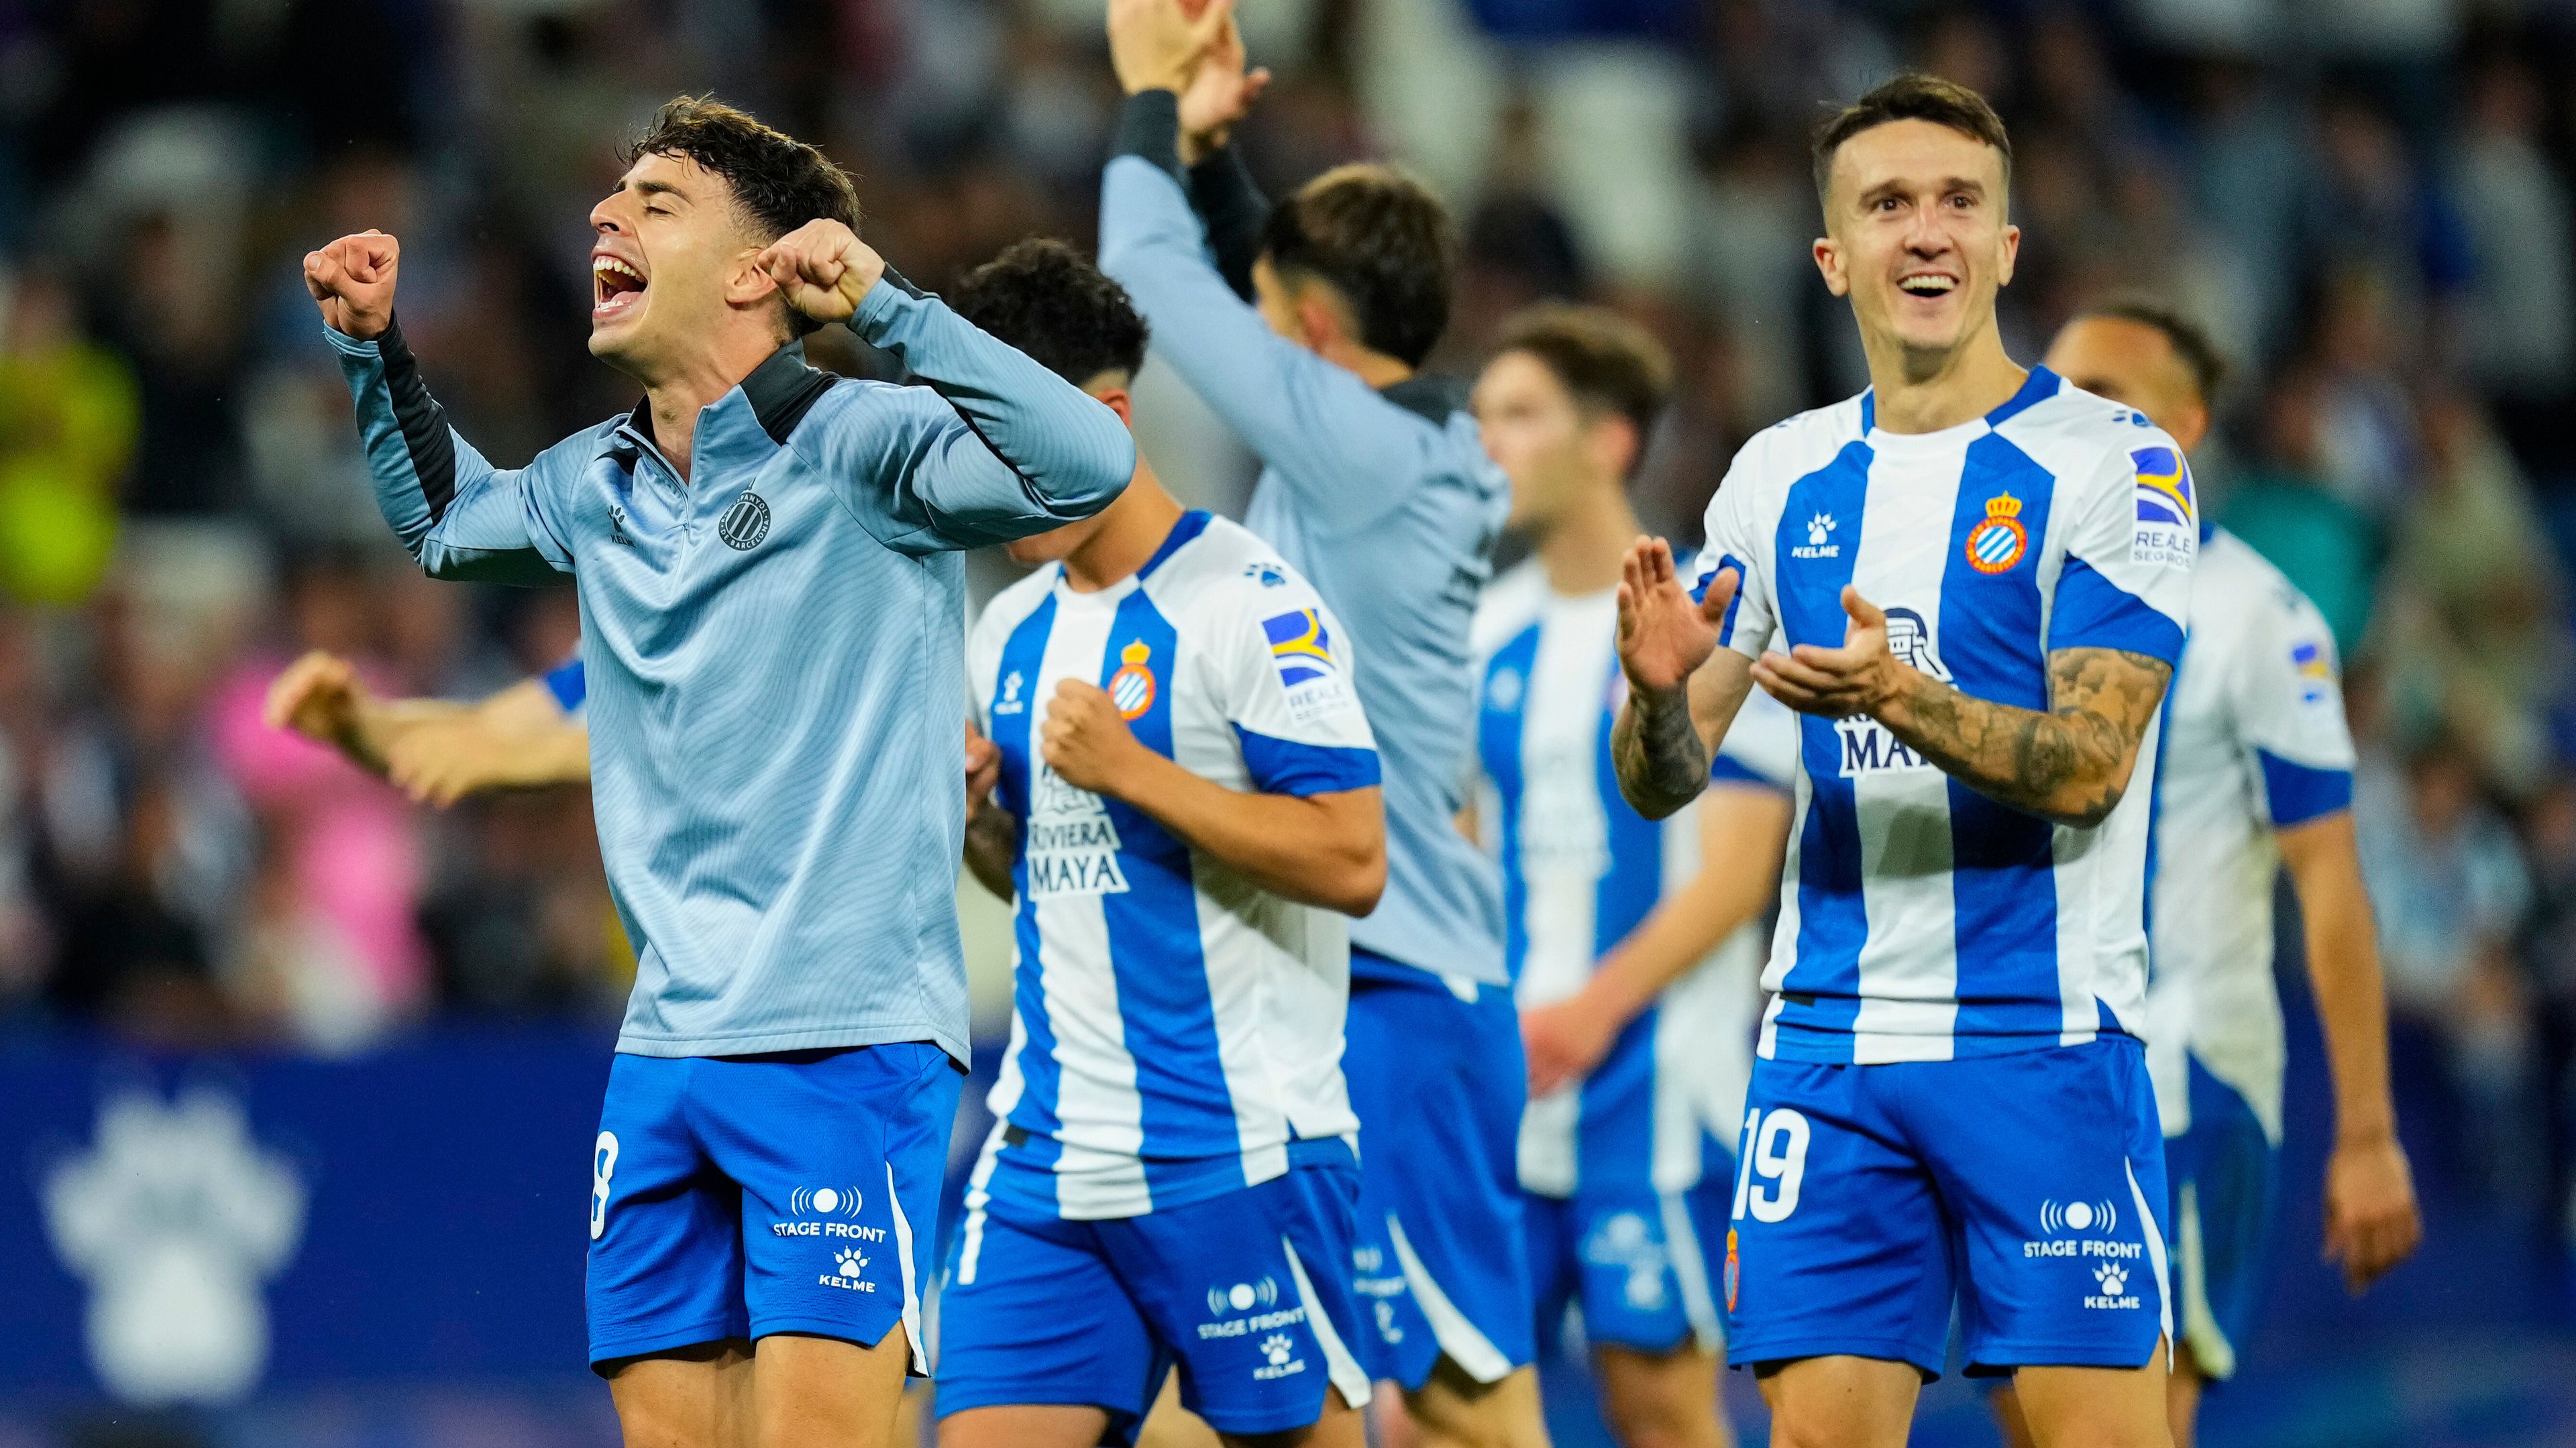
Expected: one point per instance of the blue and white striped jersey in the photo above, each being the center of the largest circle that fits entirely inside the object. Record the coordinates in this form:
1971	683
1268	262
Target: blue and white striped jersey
1582	869
771	655
1920	920
1176	1030
2254	740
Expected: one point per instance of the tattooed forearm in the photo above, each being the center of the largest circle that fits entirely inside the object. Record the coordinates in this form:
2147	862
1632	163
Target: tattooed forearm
2070	764
992	845
1662	762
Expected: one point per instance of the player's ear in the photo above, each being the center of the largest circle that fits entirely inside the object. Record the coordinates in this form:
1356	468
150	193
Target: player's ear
1319	323
1118	401
2011	253
746	283
1829	260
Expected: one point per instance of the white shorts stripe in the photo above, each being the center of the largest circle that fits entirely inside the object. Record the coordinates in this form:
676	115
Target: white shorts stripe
1470	1349
1339	1365
2155	1258
911	1287
1690	1269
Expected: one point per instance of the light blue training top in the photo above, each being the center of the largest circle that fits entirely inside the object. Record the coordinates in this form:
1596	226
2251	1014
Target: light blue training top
773	652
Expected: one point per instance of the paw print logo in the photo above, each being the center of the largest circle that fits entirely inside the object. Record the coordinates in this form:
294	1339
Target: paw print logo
1819	529
2113	1277
1278	1349
848	1263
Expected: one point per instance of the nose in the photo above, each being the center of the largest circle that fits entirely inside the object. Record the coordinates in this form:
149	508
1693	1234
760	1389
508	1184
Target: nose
603	217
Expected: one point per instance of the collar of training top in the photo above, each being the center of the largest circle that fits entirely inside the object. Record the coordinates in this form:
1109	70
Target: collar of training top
781	390
1432	395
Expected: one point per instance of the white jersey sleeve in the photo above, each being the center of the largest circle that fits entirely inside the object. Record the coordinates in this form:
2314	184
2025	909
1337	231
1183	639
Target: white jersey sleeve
2130	546
1735	541
1286	682
2288	702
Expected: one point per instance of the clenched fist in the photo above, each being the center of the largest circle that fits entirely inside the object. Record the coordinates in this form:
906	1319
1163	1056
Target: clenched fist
320	697
1084	740
352	280
823	269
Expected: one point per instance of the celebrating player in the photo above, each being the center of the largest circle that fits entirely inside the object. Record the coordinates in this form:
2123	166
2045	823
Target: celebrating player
1976	578
1188	795
770	606
2256	769
1303	332
439	751
1639	1038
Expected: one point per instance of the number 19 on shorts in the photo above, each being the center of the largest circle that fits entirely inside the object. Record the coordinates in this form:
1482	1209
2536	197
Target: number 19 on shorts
1773	1159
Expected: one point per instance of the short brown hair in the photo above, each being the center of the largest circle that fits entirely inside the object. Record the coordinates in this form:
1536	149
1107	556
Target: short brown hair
778	182
1912	97
1609	363
1042	297
2189	340
1381	240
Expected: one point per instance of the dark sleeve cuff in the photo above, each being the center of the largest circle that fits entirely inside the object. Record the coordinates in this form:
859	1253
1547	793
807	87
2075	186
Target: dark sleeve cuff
1230	202
1150	127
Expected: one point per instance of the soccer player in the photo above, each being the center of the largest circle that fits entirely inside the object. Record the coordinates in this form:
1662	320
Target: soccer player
1971	581
1639	1038
2255	772
1303	326
1188	805
439	751
772	614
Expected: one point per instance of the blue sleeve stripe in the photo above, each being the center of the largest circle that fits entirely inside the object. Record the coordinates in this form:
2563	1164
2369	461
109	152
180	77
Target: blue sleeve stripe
1699	594
2092	612
1284	766
568	684
1724	770
2302	792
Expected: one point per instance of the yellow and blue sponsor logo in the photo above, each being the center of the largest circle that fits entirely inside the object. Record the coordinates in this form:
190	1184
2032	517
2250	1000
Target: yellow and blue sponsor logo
2316	670
2164	487
1302	646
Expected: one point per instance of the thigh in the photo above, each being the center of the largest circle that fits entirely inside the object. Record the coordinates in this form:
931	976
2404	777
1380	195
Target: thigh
2097	1407
2223	1171
691	1397
1439	1083
2053	1164
1660	1398
1838	1401
665	1269
1836	1242
839	1156
814	1390
1032	1315
1243	1291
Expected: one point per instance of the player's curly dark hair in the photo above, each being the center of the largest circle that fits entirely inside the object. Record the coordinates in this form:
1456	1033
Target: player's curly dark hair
1382	241
1040	296
779	182
1912	97
1609	363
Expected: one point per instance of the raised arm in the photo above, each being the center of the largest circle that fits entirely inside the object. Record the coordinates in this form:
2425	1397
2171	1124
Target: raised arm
458	515
1326	433
438	751
1011	449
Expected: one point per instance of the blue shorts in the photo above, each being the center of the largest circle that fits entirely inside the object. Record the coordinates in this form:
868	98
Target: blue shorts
1438	1082
2223	1170
1635	1260
2028	1187
1242	1292
739	1196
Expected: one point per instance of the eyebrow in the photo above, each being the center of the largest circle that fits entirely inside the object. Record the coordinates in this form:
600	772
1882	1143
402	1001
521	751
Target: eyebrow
658	188
1968	184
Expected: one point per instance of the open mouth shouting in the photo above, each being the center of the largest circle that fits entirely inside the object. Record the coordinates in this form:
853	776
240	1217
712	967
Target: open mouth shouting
616	287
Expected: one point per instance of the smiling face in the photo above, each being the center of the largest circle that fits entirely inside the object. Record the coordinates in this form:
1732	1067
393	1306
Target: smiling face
1916	236
673	261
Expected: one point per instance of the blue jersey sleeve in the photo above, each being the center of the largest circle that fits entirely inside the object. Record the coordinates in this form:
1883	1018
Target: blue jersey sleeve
569	686
459	516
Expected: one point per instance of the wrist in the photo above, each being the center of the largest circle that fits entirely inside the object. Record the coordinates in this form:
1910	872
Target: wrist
1893	705
2366	1132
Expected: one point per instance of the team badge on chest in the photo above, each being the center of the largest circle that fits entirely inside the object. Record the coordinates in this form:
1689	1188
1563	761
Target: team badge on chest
1132	687
1999	539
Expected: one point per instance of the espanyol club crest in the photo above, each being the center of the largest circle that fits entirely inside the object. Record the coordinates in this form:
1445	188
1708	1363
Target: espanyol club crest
1132	687
1999	539
745	523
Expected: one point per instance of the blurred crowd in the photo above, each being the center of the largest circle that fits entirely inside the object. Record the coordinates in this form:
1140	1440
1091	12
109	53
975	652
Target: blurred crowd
2367	201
